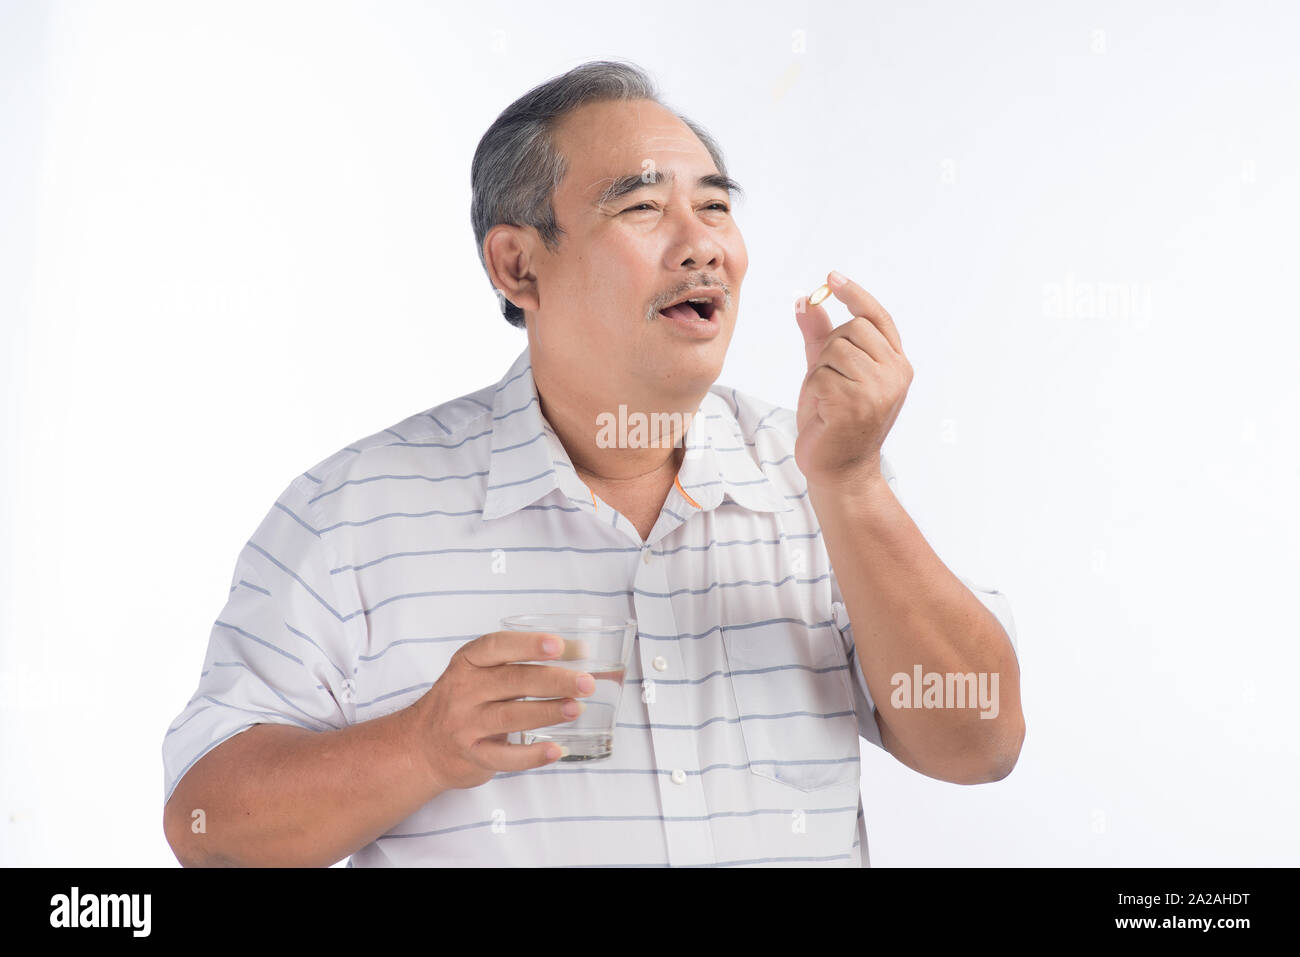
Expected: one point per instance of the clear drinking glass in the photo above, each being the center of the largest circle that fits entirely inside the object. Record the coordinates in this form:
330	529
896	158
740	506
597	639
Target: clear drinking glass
599	645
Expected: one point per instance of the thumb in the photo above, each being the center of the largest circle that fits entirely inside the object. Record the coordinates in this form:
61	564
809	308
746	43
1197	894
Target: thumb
815	325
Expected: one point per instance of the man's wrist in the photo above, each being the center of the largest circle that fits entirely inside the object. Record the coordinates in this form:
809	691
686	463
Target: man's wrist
413	739
860	492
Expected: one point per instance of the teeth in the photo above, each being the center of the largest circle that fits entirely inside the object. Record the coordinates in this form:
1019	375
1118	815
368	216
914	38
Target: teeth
706	300
702	299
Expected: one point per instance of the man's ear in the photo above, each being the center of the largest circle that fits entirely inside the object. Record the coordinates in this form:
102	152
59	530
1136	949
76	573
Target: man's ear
507	252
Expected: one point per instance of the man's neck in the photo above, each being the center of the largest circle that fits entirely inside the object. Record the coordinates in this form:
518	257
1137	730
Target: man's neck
575	417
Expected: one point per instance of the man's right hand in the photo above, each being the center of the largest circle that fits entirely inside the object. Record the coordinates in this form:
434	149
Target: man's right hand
461	723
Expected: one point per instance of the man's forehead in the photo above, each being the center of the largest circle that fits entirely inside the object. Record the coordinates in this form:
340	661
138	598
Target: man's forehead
611	144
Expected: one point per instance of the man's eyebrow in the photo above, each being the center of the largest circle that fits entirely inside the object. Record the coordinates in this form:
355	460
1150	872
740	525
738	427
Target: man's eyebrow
632	182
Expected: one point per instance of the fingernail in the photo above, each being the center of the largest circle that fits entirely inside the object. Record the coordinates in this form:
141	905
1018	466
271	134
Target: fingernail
838	279
551	645
801	305
573	708
586	684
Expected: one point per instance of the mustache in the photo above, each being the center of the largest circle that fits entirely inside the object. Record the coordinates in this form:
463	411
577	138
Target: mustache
687	291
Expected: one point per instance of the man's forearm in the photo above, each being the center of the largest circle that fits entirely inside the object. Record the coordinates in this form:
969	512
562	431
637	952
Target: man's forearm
908	609
282	796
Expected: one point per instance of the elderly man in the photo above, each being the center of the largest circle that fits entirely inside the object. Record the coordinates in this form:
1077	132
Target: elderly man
360	696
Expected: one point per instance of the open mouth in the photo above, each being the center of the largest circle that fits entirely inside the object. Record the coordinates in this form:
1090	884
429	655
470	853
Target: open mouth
696	309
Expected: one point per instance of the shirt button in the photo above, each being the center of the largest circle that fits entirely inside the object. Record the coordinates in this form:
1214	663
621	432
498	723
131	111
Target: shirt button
840	615
679	776
660	663
645	554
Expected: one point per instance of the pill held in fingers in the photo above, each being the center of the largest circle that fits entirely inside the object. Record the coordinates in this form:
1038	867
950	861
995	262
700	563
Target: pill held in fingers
819	295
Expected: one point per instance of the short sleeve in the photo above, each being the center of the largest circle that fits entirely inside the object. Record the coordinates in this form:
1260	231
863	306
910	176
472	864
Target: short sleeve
279	652
863	703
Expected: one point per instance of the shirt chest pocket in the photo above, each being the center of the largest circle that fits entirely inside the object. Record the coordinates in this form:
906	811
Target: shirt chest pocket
794	703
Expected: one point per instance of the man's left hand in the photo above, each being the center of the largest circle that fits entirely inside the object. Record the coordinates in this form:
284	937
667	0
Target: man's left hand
855	385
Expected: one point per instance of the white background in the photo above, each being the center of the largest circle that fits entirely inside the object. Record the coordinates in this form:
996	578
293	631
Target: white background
234	237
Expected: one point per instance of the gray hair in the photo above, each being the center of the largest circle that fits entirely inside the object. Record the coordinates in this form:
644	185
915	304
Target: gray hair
516	166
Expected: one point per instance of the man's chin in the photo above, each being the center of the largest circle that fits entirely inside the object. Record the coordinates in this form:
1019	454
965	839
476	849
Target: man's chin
690	372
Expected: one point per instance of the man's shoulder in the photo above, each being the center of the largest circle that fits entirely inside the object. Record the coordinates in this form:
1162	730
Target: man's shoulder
451	431
755	420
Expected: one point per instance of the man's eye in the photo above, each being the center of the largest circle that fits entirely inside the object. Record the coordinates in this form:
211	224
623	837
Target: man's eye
722	206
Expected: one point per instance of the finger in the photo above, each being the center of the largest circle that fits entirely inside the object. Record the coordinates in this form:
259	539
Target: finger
504	756
845	357
503	717
828	385
867	337
863	303
513	681
502	647
815	326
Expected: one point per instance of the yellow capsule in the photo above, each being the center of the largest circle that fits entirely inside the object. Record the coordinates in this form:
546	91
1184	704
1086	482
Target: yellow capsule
819	295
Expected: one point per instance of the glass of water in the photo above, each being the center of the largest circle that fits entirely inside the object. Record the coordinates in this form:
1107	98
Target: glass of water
599	645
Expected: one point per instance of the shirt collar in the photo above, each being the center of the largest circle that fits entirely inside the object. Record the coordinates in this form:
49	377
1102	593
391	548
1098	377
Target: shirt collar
528	461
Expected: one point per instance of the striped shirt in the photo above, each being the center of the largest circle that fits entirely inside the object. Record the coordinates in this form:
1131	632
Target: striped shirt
736	739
